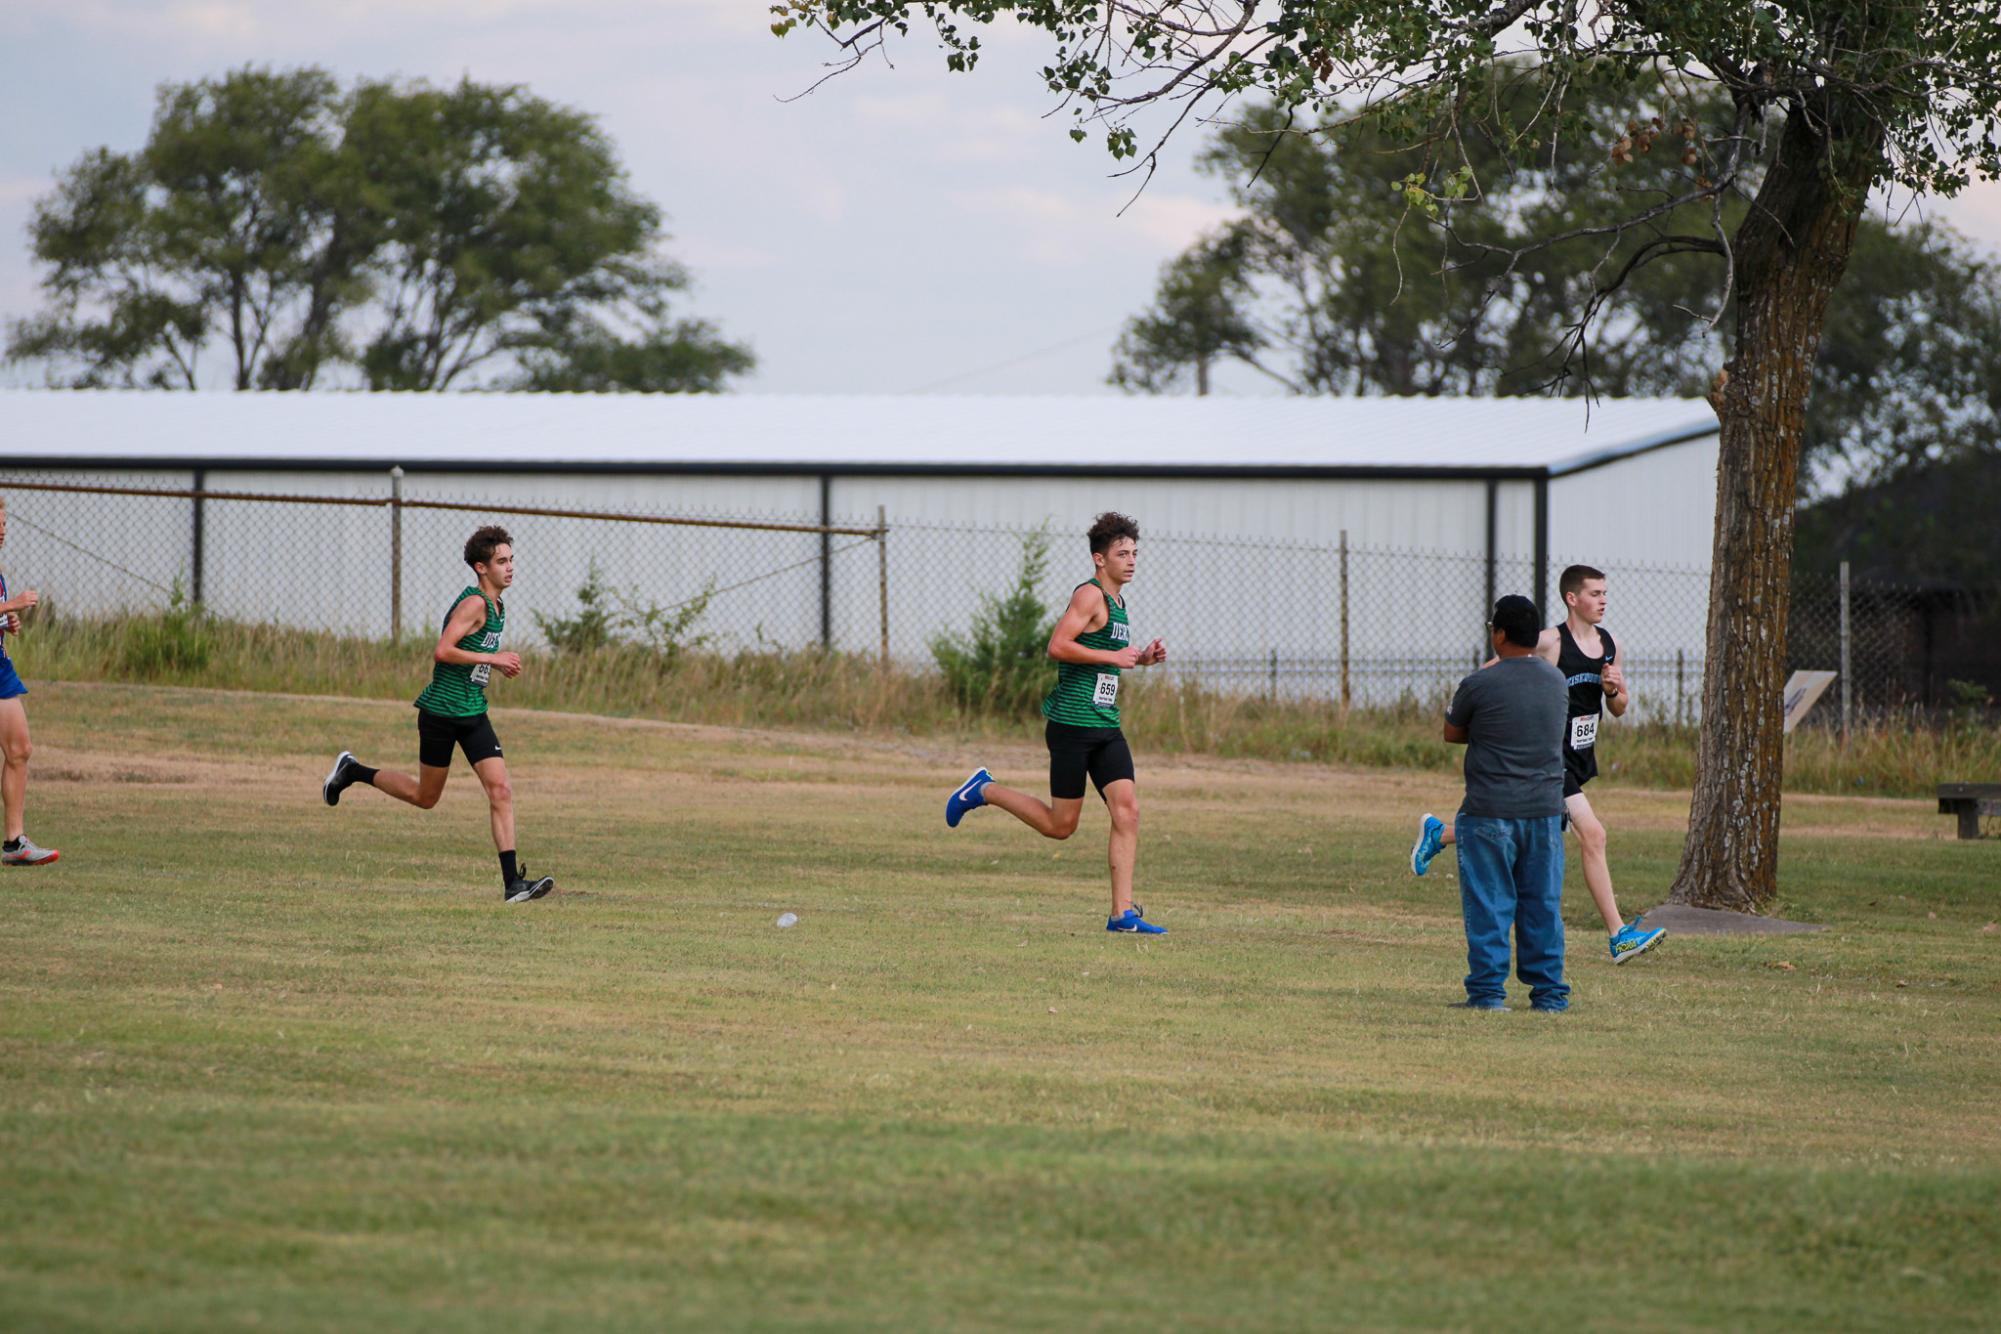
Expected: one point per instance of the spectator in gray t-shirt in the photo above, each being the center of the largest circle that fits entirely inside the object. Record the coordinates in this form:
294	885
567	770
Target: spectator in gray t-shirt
1514	714
1509	831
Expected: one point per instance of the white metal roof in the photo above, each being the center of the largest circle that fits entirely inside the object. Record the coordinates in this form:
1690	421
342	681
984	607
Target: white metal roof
815	433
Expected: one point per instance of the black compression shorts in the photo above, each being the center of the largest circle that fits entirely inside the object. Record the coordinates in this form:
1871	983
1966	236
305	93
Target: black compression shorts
437	735
1074	752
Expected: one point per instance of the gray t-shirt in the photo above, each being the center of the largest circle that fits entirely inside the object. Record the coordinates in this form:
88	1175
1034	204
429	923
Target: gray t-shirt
1513	713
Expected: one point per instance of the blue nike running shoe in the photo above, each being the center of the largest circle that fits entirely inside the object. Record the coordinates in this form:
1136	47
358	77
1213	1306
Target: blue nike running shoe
1430	842
972	794
1132	924
1633	940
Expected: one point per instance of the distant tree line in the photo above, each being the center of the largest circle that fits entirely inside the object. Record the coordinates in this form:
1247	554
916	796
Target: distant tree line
1324	285
285	231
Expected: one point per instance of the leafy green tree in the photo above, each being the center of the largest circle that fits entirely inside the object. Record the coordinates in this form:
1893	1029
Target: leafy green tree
507	218
1909	374
1818	105
1311	288
1200	315
685	356
419	235
221	226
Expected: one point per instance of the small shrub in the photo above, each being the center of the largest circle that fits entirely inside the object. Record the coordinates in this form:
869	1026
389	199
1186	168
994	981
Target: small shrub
591	628
607	618
1002	665
665	631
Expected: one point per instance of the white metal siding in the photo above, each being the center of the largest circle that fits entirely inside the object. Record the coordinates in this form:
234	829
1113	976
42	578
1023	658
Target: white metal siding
1232	570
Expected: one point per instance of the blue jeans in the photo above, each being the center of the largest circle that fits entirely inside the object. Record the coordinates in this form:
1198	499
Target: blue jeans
1511	878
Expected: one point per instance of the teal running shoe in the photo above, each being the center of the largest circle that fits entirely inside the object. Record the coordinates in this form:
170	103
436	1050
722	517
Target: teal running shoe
972	795
1430	842
1131	923
1633	941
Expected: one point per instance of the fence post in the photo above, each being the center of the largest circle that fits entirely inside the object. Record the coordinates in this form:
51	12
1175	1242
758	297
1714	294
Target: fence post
396	553
1680	686
1347	694
1274	674
882	574
200	532
826	562
1846	694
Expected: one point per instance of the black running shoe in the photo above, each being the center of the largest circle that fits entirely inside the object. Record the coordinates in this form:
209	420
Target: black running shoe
338	777
522	888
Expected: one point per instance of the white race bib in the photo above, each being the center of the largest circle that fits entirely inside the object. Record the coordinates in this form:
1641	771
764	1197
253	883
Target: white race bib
1584	732
1107	694
481	673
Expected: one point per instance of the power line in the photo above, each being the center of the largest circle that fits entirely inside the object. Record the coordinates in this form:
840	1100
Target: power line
1012	362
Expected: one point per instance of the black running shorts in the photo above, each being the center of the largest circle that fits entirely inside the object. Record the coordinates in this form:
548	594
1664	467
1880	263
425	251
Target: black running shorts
1579	768
437	735
1074	752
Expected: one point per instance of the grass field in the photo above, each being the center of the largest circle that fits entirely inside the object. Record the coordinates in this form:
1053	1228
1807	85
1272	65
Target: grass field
267	1064
1896	754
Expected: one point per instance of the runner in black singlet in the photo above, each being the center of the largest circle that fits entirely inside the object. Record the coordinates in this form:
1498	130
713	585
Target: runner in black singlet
1589	661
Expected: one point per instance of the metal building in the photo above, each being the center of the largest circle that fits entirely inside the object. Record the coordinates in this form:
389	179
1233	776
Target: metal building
1444	500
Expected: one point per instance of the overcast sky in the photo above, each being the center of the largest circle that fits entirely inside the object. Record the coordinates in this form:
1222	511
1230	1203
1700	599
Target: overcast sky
900	230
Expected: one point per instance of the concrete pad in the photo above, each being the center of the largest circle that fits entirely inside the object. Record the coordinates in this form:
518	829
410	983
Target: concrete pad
1682	920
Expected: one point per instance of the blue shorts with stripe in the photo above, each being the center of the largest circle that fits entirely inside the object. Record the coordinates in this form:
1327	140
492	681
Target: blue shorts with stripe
10	680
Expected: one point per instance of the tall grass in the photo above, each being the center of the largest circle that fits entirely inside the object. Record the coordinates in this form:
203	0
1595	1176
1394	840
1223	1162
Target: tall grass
854	692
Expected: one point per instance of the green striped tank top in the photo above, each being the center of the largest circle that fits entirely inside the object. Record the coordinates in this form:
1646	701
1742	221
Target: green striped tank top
1086	694
458	690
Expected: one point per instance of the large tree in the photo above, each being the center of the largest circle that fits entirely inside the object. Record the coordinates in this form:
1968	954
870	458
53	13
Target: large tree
1829	100
222	225
1311	287
419	236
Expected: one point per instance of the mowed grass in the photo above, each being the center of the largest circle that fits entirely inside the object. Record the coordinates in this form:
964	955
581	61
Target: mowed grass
268	1064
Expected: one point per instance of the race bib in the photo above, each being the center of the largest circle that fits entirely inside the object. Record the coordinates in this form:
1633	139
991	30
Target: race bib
1107	694
481	673
1584	732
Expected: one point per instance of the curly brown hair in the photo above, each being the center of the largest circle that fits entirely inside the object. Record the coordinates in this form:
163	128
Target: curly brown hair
479	547
1108	528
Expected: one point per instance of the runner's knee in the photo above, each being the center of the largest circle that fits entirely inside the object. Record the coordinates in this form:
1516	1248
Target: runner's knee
1124	808
18	753
1590	834
1062	824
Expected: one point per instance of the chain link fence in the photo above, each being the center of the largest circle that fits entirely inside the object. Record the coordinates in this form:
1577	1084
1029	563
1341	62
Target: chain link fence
1368	627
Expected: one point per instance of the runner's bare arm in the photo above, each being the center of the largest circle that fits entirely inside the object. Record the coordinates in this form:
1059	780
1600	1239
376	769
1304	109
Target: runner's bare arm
1086	613
467	617
1614	681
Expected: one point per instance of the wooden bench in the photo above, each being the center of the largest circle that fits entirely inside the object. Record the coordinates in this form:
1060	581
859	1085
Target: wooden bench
1969	801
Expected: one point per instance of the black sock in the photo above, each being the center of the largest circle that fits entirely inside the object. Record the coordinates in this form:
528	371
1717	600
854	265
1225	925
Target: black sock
360	773
509	873
11	845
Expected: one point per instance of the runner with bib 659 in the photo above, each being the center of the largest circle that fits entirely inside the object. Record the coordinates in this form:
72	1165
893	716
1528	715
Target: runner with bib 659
1092	645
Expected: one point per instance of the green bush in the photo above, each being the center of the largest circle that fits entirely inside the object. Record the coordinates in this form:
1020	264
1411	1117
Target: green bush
1002	665
606	618
591	628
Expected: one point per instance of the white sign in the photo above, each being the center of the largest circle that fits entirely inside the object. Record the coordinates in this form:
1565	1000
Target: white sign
1803	691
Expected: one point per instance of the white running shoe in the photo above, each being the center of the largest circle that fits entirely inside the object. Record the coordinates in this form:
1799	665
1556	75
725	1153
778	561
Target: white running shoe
29	855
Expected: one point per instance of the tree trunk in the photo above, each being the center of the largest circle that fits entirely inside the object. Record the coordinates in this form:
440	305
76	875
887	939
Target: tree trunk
1790	253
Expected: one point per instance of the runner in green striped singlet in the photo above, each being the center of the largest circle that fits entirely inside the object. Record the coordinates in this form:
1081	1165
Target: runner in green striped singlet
1092	646
452	712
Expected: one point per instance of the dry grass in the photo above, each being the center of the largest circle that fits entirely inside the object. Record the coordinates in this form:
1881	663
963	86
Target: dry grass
854	694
